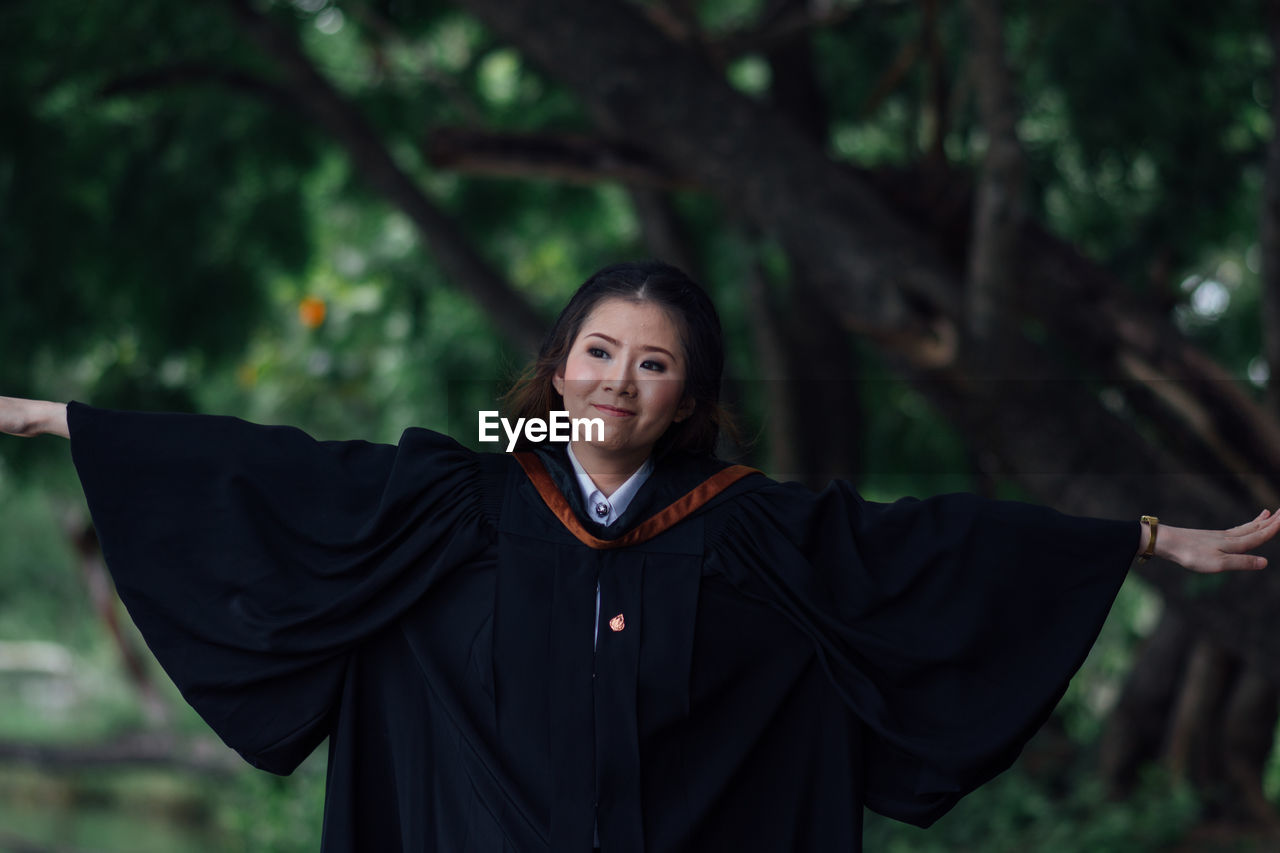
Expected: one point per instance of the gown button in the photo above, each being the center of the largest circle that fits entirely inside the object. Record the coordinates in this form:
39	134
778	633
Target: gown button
602	509
617	623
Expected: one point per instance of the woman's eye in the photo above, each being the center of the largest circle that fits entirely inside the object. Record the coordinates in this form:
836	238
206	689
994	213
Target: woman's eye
655	366
596	352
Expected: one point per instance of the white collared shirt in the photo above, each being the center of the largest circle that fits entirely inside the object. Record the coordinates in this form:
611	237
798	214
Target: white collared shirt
606	510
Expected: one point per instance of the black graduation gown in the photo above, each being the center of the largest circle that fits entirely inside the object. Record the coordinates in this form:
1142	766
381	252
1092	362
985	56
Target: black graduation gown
784	656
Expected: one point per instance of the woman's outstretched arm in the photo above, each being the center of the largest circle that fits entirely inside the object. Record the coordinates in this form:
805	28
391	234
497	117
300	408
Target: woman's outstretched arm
33	417
1210	551
1206	551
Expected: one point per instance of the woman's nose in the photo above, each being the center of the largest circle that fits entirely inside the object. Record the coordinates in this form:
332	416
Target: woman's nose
618	379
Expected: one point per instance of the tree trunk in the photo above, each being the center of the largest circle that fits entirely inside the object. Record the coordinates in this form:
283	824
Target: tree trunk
769	339
998	208
821	387
93	570
1137	727
1247	736
1192	752
899	282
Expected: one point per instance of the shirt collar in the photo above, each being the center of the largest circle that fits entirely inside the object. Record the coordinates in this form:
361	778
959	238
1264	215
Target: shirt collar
617	503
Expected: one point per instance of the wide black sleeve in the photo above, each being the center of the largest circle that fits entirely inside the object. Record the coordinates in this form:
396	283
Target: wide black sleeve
951	626
253	558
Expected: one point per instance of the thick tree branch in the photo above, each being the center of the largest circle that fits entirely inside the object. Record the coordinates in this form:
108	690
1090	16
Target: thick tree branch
677	18
823	212
769	172
796	21
817	350
1035	426
383	39
1112	335
663	232
198	73
1144	359
640	84
878	272
448	244
794	89
998	209
679	21
571	158
892	77
1269	219
937	100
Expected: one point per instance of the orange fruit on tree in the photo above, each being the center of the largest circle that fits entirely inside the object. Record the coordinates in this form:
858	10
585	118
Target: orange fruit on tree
311	311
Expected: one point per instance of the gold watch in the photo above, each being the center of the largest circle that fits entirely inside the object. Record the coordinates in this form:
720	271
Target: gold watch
1154	523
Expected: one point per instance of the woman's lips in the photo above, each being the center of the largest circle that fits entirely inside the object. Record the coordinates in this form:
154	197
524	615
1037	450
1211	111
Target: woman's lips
610	410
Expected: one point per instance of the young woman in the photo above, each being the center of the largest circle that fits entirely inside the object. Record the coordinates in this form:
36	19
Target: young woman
622	643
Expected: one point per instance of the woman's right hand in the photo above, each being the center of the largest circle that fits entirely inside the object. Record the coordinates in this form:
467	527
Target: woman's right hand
33	417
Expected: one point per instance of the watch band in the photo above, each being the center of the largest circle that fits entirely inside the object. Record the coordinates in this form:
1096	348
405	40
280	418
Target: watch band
1154	523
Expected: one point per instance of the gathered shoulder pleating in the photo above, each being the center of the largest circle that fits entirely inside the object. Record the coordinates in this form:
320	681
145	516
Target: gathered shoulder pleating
254	559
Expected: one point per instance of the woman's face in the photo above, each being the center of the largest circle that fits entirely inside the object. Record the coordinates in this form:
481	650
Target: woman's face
627	367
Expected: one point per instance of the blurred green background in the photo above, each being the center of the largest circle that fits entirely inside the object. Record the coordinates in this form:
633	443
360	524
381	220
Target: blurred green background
219	207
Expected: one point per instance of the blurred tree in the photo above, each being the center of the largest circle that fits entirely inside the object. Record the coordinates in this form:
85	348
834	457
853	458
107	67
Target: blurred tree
1041	219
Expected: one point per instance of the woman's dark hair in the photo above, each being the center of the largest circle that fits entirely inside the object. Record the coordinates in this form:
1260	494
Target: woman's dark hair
534	396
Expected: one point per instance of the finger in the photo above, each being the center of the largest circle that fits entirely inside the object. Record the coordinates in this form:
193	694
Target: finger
1265	520
1249	541
1242	563
1239	529
1270	526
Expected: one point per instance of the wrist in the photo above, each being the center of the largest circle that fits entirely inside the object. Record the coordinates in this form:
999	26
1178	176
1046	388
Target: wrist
1167	543
50	418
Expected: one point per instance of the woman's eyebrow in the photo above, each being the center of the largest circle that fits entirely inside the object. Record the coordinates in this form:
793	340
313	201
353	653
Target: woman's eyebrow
647	348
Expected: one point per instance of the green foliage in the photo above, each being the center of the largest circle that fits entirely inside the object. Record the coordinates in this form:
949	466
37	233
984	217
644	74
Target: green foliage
1014	813
273	814
165	214
908	448
1140	149
1096	687
873	123
137	228
38	570
116	811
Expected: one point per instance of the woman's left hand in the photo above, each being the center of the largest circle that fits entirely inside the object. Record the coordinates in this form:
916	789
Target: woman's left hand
1211	551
